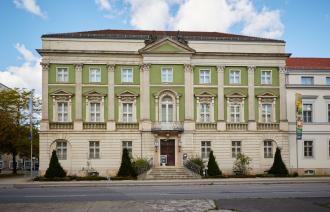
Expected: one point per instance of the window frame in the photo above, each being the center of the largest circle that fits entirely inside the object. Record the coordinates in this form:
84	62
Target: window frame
127	113
94	147
123	80
236	149
61	148
93	111
168	70
311	111
57	75
235	105
129	146
270	77
91	74
327	80
268	149
200	76
328	105
205	149
58	112
203	114
305	77
239	76
312	147
266	114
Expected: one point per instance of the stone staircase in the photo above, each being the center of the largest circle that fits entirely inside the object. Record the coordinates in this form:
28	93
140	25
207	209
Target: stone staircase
170	173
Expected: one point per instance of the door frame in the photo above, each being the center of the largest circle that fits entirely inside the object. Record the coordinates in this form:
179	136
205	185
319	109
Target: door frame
176	150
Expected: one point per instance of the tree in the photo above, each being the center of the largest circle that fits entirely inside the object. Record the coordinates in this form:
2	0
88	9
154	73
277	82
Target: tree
278	168
14	125
241	165
55	169
212	166
126	168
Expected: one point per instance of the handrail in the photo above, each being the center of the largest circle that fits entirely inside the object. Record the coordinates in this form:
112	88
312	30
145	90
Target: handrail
192	167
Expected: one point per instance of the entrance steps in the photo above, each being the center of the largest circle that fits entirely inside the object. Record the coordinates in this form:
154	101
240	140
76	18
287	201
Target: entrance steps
170	173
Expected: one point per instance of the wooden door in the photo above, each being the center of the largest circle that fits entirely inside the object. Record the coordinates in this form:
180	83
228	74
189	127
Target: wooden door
167	147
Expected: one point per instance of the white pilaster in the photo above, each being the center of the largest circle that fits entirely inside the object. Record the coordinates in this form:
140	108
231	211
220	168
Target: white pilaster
221	125
189	97
78	96
44	125
111	123
251	99
283	110
145	97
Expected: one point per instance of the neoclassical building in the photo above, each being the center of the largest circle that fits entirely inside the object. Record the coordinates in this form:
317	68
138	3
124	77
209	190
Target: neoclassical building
161	94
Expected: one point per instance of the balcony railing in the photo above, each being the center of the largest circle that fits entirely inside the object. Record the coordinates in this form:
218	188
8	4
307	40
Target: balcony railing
268	126
206	126
95	125
237	126
167	127
61	125
127	125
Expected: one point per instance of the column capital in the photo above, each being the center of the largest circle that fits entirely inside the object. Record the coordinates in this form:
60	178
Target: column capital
282	70
188	67
78	66
45	66
111	67
221	68
251	69
145	67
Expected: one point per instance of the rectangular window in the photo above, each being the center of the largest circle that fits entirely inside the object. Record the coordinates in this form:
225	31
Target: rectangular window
62	112
205	112
307	80
205	149
61	150
94	149
235	148
235	77
128	145
329	148
167	75
95	75
268	149
204	76
127	112
308	113
235	113
308	148
95	112
127	75
266	113
327	80
62	75
266	77
329	113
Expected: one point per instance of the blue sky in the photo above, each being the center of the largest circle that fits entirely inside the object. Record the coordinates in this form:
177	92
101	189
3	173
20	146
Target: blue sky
303	24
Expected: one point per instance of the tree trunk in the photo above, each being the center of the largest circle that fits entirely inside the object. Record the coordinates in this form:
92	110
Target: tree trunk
14	163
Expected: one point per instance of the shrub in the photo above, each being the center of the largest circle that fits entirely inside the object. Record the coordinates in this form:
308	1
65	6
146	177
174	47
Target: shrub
278	168
55	169
212	167
141	165
126	168
241	165
199	162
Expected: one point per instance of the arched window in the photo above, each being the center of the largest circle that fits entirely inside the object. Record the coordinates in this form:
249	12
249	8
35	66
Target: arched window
167	109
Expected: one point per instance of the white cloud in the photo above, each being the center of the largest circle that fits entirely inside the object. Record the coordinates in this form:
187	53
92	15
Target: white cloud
206	15
103	5
28	75
30	6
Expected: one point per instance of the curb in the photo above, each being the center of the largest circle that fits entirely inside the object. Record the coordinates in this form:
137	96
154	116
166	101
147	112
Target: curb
166	182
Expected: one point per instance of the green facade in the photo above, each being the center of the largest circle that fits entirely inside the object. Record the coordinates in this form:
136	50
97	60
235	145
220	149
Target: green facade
53	72
118	74
275	76
156	79
244	75
213	71
104	74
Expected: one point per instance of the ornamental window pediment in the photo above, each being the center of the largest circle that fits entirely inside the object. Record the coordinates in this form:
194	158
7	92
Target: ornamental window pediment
205	107
62	104
235	107
94	106
267	107
127	106
167	106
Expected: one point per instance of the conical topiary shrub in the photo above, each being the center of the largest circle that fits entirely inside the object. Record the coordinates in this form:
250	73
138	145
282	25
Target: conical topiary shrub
126	168
55	169
212	167
278	168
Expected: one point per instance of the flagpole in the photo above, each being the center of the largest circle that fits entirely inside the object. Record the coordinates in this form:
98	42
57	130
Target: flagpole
31	131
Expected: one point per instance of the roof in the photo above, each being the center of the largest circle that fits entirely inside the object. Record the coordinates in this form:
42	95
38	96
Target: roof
2	86
308	63
146	34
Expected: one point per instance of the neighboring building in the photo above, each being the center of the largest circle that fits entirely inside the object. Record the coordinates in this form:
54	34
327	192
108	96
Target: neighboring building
161	93
311	78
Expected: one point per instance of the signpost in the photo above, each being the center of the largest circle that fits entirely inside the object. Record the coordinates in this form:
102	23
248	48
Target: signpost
299	122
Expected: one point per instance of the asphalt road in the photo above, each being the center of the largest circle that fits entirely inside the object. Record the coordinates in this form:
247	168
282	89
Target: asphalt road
139	193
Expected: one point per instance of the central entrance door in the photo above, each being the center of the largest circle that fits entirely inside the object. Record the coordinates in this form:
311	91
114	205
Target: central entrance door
167	147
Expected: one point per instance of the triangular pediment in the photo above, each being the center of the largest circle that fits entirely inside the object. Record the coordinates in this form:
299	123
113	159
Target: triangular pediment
267	95
236	95
205	94
167	46
127	94
61	92
94	93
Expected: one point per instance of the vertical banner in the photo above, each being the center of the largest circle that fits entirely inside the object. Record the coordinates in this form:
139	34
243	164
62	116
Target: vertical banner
299	116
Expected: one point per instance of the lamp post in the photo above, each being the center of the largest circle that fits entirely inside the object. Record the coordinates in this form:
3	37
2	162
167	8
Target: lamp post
31	130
